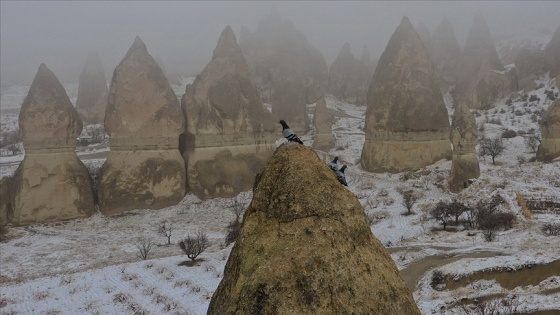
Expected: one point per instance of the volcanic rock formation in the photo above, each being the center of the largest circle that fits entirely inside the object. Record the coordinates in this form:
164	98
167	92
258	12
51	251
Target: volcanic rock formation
230	134
552	54
144	120
51	183
92	91
464	165
322	120
481	77
407	126
281	59
347	78
445	53
425	36
305	247
549	148
529	64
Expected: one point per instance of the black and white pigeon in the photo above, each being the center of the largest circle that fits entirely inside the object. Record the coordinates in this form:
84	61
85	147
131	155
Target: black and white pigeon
288	133
340	175
333	165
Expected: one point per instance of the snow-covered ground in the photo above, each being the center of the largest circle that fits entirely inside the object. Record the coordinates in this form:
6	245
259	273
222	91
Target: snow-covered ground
91	266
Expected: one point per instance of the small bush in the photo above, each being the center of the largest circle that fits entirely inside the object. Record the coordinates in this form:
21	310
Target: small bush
194	246
533	98
551	229
508	133
438	279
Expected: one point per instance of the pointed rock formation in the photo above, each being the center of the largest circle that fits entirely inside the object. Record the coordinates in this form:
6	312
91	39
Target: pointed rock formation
305	247
92	91
549	148
445	53
552	54
282	61
481	77
464	137
322	120
230	134
369	66
347	77
51	183
407	126
425	36
529	64
143	120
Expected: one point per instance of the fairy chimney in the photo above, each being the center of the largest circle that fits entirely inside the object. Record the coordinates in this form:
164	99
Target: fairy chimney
549	147
322	120
407	125
92	91
143	119
51	183
305	247
445	53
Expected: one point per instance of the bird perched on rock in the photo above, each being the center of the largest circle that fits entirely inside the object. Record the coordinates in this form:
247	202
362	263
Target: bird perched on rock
288	133
340	175
333	165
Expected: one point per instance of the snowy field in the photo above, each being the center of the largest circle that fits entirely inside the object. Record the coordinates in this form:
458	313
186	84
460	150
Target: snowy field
91	266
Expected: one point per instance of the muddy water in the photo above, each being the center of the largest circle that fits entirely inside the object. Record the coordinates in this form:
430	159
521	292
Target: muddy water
413	272
511	279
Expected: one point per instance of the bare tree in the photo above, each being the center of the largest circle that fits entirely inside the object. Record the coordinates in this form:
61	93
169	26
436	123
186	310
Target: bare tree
532	143
194	246
144	244
234	227
441	213
456	209
165	229
492	147
409	199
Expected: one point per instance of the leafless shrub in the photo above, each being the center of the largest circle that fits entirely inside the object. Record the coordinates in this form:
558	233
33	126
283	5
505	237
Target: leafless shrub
532	143
551	229
492	147
234	227
504	306
41	296
194	246
374	217
143	244
409	199
438	279
165	229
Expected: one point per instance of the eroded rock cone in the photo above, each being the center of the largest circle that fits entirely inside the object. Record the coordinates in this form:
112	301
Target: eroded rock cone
305	247
280	57
230	132
549	148
51	183
445	53
552	54
464	137
347	76
481	77
143	119
407	125
92	91
322	120
529	64
425	36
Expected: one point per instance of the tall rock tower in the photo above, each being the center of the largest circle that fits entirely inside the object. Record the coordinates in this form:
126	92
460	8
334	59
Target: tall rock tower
347	76
445	53
481	77
407	126
289	71
92	91
552	55
143	119
322	120
230	134
51	183
549	148
305	247
464	165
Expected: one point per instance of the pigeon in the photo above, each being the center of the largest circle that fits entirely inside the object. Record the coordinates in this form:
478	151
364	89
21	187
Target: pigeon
288	133
334	164
340	175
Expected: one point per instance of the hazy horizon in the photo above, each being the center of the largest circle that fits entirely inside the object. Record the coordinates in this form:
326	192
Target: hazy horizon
183	35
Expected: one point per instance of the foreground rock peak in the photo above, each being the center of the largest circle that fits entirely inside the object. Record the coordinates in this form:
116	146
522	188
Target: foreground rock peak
305	247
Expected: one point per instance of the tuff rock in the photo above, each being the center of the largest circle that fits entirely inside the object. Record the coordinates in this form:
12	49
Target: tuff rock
92	91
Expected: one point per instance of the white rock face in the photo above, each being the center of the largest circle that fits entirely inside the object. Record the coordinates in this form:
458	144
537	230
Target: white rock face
51	183
144	121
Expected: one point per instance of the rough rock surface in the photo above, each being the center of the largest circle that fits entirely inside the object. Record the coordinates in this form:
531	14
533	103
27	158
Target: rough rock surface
445	53
92	91
322	120
407	126
305	247
481	77
280	57
529	64
51	183
549	148
230	133
425	36
464	137
552	54
347	77
143	120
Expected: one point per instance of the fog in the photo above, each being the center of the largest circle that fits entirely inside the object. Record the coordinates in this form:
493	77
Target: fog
183	35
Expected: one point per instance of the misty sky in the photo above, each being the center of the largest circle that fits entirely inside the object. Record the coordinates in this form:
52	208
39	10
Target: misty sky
183	34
